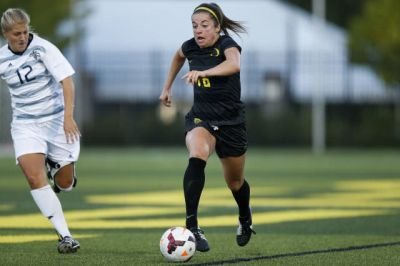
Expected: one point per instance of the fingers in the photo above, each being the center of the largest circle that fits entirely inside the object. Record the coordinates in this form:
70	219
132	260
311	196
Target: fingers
166	100
72	137
72	134
192	76
167	103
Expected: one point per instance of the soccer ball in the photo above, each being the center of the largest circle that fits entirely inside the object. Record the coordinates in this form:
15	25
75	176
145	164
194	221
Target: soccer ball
177	244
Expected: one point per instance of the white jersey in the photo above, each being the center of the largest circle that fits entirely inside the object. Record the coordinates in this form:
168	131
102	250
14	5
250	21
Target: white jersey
33	78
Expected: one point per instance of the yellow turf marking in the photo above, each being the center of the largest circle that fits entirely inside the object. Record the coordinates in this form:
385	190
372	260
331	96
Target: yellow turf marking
166	208
229	220
378	186
110	218
348	194
13	239
88	219
211	197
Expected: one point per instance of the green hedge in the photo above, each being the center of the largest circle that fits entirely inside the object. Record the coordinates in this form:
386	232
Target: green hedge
289	125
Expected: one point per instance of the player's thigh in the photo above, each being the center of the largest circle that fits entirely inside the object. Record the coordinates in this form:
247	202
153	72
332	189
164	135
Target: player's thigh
32	164
233	167
33	167
30	148
200	143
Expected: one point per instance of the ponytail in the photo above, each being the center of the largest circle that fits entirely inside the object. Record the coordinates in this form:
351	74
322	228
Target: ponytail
220	18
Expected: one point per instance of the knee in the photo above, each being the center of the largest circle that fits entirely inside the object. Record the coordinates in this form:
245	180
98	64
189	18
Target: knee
234	184
34	174
200	154
64	182
35	180
64	176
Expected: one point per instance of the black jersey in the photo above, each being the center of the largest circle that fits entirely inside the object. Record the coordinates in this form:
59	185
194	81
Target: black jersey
216	99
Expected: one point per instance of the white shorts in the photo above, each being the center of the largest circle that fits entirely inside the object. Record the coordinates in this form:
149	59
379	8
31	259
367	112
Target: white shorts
45	137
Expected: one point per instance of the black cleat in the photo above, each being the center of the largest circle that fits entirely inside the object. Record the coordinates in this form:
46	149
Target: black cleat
201	240
68	245
244	232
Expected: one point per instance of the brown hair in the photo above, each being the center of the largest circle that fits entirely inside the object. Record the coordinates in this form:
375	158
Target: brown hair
220	19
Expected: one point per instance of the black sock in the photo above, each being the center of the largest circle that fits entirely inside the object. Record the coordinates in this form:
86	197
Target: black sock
193	184
242	197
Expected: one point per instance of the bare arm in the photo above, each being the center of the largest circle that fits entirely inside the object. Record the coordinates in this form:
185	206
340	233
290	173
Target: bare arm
176	65
230	66
71	129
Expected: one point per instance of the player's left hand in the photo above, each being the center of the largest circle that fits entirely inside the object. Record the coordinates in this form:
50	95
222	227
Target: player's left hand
192	76
71	130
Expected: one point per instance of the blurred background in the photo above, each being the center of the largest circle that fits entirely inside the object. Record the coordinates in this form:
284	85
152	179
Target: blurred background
316	74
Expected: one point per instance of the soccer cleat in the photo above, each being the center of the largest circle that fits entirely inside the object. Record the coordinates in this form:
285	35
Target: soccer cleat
201	240
68	245
244	232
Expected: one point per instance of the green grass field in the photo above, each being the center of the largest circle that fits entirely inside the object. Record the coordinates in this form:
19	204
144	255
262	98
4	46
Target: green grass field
342	208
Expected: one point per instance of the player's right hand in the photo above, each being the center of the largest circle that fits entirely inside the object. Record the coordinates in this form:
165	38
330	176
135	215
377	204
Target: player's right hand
165	98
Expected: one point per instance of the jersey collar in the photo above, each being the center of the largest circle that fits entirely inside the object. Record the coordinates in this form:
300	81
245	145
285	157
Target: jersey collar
29	42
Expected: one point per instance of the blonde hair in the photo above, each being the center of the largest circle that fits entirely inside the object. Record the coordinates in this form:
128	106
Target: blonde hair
13	16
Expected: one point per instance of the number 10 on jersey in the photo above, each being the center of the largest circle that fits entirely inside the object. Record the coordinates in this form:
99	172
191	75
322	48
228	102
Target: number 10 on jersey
204	82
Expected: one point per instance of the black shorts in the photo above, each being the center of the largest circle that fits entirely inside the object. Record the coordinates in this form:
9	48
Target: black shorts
231	140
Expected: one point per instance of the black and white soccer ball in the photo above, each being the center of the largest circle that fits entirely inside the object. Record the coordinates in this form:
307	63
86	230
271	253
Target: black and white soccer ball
177	244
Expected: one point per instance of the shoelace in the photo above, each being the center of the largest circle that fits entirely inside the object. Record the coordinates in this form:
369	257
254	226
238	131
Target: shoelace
198	234
246	229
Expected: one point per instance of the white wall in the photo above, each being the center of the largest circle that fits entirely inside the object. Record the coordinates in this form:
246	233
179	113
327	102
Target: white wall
127	25
319	60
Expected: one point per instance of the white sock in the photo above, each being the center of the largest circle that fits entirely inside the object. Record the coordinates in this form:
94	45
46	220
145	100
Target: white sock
50	206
